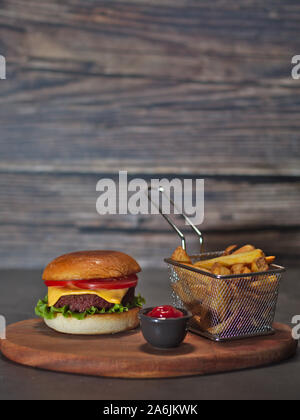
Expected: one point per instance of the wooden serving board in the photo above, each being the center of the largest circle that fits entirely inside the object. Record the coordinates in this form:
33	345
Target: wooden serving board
127	355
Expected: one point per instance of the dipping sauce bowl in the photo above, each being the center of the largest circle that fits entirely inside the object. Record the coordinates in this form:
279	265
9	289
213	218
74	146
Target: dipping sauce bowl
164	333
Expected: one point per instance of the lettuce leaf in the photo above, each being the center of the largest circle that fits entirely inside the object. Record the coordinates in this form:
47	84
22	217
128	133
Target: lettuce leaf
49	312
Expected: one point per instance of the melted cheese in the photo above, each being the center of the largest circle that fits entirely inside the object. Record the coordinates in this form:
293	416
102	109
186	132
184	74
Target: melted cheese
111	296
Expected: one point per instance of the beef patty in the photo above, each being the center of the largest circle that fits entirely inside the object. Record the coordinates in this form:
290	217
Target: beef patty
80	303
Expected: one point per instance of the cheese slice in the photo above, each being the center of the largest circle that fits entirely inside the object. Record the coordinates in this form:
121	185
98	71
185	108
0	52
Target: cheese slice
111	296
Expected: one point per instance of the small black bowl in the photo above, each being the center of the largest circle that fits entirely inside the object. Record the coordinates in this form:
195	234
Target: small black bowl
164	333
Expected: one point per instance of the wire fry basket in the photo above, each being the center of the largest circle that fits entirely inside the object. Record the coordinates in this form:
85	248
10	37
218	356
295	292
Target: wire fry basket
226	307
223	307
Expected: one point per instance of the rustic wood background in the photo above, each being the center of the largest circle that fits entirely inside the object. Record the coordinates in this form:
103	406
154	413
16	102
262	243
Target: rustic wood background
185	88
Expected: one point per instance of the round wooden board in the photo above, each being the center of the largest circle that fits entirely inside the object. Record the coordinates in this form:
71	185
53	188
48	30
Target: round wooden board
127	355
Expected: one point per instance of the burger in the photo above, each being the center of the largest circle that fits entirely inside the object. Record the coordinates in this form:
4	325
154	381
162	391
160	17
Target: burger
91	292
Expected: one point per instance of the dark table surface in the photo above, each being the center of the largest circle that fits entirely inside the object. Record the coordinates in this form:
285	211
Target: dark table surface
19	292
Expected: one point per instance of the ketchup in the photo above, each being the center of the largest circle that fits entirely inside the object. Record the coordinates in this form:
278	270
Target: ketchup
165	311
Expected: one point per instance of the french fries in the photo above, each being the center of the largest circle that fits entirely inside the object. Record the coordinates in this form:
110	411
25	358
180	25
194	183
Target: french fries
240	268
220	270
245	248
244	260
259	265
229	249
181	255
216	303
229	260
214	295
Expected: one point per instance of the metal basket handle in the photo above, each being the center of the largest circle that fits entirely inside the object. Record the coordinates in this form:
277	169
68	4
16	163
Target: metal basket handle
172	224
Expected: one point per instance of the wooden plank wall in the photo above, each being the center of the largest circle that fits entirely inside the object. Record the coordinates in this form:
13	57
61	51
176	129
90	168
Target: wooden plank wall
160	88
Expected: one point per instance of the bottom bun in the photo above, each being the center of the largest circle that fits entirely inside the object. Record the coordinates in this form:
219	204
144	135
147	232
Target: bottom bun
96	324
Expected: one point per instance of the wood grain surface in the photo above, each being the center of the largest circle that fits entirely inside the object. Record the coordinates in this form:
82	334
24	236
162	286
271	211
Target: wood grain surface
127	355
169	88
